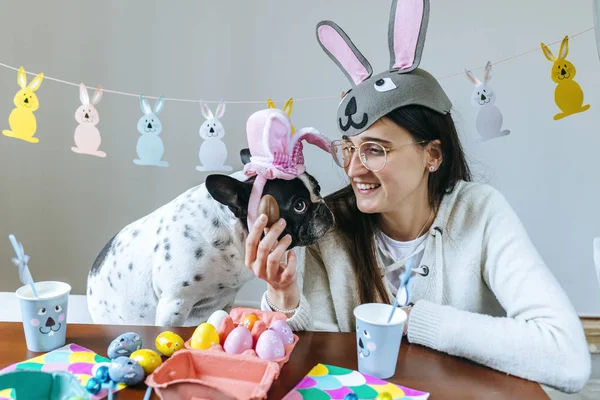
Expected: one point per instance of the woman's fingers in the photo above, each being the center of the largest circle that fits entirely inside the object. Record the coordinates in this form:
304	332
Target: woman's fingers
289	273
263	255
275	259
253	239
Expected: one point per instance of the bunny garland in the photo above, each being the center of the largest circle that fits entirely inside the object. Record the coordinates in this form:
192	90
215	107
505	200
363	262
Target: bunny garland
213	152
568	95
372	97
150	147
287	107
87	136
21	119
275	153
489	118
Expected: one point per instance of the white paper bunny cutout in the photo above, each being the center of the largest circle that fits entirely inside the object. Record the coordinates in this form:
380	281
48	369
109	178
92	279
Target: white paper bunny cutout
87	136
213	152
489	118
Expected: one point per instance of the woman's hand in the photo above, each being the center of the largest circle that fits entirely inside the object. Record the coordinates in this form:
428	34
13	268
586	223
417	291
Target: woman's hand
266	258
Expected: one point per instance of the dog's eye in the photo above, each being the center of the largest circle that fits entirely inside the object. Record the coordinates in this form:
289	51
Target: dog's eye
384	85
300	206
42	311
58	308
367	335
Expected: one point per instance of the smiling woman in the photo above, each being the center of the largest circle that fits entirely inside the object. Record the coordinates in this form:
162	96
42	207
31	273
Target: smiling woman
479	289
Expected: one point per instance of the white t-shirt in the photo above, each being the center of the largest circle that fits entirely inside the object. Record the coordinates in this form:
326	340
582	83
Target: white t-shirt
393	250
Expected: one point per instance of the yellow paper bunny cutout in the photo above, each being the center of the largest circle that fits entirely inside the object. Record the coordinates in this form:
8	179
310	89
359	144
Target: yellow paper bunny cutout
286	108
568	95
21	120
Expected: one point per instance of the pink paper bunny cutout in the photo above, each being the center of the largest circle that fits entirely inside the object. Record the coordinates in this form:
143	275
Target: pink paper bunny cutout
87	136
276	153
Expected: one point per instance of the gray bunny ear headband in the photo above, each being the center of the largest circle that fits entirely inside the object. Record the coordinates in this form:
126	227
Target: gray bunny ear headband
372	97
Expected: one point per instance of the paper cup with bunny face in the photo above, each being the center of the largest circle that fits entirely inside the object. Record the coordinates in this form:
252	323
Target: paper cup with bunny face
45	317
377	341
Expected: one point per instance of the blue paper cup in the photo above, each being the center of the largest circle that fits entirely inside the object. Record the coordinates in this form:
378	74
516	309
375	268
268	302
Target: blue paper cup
44	318
377	342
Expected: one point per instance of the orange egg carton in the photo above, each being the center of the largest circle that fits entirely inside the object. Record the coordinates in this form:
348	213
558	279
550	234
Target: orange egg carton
215	374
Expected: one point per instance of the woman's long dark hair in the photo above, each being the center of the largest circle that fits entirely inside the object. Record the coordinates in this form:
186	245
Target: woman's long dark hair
359	229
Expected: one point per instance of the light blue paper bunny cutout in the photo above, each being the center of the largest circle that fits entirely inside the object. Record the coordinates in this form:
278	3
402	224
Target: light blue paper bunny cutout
150	147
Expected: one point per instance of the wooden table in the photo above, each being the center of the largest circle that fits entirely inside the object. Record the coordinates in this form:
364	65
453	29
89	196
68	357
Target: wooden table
420	368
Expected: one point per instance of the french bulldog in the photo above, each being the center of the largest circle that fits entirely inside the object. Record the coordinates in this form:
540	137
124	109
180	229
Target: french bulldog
186	259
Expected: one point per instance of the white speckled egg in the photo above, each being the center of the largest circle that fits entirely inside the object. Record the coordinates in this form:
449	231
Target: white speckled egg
269	346
216	317
283	330
238	341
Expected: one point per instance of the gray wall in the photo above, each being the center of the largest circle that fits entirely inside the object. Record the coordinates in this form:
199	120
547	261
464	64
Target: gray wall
65	206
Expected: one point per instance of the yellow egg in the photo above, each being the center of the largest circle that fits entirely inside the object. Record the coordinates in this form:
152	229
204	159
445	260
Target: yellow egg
384	396
148	359
168	343
249	320
204	336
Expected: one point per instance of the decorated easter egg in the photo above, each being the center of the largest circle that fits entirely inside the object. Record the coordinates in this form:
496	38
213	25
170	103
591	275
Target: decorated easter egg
216	317
102	374
249	320
351	396
124	345
268	206
125	370
204	336
384	396
238	341
93	385
148	359
168	342
269	346
283	330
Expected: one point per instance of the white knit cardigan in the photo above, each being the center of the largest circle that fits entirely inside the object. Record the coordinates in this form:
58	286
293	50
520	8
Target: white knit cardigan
488	295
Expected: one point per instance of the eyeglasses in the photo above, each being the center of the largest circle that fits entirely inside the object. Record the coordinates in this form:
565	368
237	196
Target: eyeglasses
372	154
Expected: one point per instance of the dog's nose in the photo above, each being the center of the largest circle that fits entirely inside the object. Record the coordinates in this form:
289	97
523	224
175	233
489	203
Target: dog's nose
149	125
483	97
563	72
26	100
350	107
50	322
86	116
360	343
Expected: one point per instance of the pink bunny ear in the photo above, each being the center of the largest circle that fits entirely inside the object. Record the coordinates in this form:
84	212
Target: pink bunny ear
312	136
83	94
338	46
488	72
276	134
97	95
406	33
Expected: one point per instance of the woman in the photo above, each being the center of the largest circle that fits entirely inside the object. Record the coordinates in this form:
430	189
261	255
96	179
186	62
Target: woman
480	290
478	287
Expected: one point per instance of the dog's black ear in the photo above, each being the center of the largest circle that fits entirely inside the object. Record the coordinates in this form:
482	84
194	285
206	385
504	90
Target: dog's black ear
245	156
230	192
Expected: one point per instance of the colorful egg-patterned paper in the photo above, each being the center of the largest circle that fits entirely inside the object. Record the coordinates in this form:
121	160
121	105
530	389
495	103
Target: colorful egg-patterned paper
325	382
73	358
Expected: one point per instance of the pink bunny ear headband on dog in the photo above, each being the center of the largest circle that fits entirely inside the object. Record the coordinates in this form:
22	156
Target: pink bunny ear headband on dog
276	153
